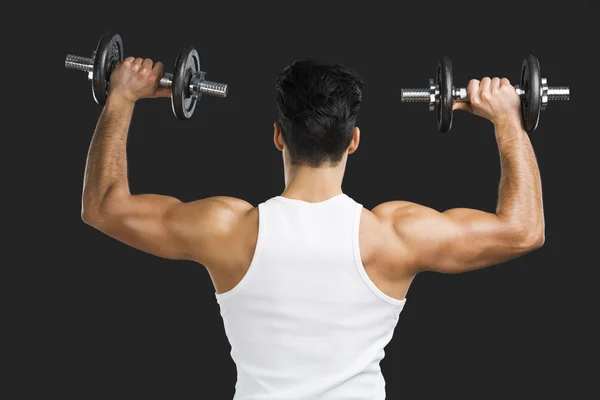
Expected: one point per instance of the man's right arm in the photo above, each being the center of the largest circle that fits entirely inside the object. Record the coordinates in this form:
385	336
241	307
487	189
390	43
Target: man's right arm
461	239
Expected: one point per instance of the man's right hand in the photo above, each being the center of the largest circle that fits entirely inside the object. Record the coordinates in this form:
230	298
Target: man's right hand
494	99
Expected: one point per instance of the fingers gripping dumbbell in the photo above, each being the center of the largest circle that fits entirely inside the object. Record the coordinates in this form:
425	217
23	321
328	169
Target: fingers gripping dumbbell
187	82
441	94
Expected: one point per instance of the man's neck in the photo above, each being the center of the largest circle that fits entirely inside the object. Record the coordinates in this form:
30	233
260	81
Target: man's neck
313	184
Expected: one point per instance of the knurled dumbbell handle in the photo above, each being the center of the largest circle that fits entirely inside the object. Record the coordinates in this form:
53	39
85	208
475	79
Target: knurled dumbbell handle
460	94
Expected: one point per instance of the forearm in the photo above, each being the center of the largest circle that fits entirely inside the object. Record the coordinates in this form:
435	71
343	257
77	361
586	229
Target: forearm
106	167
520	193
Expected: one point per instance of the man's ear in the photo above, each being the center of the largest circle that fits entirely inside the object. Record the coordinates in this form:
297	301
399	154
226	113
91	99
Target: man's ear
278	136
355	140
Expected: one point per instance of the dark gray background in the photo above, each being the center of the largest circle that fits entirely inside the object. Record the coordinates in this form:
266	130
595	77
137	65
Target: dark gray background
97	319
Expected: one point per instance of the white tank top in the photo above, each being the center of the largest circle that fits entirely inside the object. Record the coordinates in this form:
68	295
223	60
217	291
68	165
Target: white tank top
306	322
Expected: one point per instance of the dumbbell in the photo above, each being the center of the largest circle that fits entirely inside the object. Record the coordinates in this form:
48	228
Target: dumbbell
533	91
187	82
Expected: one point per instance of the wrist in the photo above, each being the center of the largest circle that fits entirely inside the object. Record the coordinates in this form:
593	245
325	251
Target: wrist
117	101
508	123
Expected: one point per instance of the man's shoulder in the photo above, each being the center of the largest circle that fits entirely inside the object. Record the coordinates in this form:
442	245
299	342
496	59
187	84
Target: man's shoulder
218	228
382	248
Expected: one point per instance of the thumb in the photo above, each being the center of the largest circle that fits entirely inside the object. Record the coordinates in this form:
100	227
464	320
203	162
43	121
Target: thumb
461	105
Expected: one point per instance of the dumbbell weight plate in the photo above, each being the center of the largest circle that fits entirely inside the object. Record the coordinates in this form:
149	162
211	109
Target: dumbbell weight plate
531	102
187	65
444	82
109	52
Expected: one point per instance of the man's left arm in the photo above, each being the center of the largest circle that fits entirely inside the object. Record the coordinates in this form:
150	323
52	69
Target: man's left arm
157	224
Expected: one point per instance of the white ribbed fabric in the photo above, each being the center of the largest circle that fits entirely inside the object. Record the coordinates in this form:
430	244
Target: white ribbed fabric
306	322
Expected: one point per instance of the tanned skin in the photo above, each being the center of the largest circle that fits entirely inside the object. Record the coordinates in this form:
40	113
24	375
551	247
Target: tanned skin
398	239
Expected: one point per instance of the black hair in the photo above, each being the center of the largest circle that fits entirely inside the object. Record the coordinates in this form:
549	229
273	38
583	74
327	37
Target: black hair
318	105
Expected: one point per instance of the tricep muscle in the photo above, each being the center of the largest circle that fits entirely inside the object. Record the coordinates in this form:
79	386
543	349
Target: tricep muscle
167	227
454	241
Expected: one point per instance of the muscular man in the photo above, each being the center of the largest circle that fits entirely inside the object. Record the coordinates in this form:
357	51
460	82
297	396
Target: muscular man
309	283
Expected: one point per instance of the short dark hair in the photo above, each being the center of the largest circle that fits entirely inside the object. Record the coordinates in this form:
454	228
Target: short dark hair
318	105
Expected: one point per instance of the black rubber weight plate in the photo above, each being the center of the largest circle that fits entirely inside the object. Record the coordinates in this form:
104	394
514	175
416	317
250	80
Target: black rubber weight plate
531	103
109	53
186	65
444	79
